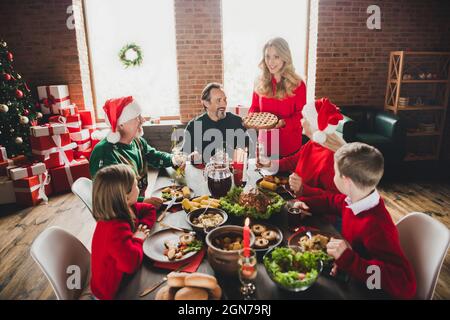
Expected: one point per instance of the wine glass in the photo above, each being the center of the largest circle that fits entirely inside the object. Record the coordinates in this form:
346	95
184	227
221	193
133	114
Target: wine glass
247	272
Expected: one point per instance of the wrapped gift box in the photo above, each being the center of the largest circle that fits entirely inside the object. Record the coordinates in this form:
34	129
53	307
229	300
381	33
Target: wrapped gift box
72	123
7	194
83	145
82	135
64	176
52	98
49	142
34	169
56	158
68	111
87	120
3	154
239	110
32	190
16	161
83	154
48	129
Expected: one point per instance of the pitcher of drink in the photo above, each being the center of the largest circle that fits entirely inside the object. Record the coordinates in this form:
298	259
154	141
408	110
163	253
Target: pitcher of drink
218	175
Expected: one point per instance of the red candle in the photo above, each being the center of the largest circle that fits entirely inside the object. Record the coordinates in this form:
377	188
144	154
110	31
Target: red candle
246	238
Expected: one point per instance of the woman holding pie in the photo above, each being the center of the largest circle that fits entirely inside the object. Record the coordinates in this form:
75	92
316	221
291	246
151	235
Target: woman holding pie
279	90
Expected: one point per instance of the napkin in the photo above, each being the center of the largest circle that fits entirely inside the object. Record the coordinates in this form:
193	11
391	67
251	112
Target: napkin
194	263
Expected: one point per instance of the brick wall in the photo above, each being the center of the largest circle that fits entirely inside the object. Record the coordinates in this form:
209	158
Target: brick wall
45	50
199	51
352	61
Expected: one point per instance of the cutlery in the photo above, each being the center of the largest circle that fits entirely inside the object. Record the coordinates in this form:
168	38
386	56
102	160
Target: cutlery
167	208
288	191
165	225
159	283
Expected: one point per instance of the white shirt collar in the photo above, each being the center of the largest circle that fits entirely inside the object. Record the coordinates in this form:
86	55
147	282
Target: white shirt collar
364	204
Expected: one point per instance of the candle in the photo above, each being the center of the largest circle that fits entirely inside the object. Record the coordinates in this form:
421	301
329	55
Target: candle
246	238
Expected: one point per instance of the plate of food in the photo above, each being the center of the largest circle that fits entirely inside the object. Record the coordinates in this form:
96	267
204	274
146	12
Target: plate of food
180	192
313	241
255	203
291	269
275	183
260	120
200	202
206	219
267	236
171	245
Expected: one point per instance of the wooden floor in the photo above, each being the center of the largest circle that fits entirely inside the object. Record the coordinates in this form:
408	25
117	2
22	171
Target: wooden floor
21	278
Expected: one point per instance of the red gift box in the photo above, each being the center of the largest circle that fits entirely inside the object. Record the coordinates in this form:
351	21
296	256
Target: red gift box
72	123
83	145
16	161
55	159
34	169
58	155
45	143
63	177
68	110
87	120
83	154
32	190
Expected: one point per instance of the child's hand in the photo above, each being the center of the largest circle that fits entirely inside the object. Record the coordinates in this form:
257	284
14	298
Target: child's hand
296	183
142	232
155	201
334	270
336	247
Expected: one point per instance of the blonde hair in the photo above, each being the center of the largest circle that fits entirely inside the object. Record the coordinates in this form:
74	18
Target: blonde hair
362	163
289	78
109	193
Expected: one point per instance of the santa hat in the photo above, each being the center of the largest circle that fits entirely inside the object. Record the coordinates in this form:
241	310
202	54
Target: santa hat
119	111
323	117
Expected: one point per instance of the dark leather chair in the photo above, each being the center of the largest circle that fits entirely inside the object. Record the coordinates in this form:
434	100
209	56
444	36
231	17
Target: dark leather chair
380	129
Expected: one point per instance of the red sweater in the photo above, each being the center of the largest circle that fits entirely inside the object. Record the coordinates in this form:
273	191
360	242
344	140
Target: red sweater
289	109
315	165
374	240
115	251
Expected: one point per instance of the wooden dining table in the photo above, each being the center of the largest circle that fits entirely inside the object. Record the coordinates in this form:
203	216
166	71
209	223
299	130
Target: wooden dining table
326	287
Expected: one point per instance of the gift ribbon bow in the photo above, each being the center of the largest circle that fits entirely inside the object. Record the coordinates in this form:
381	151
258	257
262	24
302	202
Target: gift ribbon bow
51	100
63	120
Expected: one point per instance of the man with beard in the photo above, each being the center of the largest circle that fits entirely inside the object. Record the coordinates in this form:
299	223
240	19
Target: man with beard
124	144
214	129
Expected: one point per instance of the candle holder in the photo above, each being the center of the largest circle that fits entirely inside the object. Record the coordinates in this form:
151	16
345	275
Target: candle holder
247	272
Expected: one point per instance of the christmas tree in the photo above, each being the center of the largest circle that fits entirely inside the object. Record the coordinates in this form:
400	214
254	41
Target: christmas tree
17	107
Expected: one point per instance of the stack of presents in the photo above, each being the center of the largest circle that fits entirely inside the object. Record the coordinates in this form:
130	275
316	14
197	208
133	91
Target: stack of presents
60	152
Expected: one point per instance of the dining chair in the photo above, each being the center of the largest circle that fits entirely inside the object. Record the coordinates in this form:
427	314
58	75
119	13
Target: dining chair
425	242
65	262
83	189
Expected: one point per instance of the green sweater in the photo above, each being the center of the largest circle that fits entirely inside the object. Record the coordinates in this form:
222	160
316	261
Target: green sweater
105	154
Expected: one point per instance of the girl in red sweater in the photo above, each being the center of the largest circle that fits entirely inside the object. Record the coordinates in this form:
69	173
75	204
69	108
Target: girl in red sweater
122	226
281	91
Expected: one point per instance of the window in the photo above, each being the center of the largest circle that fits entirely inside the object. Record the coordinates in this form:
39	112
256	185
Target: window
113	24
247	26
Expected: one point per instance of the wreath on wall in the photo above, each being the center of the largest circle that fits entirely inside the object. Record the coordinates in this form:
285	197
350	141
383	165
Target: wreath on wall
131	55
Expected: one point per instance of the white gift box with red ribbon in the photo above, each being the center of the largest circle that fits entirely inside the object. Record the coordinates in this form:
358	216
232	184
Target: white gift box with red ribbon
53	97
26	171
80	136
239	110
48	129
68	111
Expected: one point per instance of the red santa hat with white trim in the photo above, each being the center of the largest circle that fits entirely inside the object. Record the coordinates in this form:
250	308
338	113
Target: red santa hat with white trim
323	116
119	111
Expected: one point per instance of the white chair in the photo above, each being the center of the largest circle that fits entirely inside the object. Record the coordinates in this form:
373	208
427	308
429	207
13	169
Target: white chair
83	189
58	254
425	242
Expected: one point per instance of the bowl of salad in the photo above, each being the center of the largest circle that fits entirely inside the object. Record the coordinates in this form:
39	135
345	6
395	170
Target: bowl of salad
291	269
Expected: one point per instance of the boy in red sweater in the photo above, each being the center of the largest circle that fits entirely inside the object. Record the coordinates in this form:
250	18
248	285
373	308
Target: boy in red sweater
371	238
122	226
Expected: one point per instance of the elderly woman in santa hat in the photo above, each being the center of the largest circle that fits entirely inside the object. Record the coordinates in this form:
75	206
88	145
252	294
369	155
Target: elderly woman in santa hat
124	144
313	164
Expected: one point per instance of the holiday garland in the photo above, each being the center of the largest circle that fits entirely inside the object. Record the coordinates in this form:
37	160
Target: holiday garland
131	55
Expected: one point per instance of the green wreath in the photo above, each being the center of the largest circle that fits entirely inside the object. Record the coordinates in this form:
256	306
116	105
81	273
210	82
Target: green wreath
131	55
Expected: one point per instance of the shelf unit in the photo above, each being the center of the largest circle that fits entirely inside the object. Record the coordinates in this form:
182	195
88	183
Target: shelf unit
437	90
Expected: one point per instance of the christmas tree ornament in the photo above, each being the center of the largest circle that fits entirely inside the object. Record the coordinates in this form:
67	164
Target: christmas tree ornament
18	140
26	87
39	115
37	105
7	76
26	112
19	94
4	108
9	56
3	44
19	76
24	120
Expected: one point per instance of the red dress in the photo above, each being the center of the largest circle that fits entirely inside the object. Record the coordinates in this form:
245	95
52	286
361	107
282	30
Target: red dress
289	109
116	252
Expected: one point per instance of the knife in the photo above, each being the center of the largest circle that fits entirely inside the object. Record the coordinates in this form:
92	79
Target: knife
167	208
159	283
